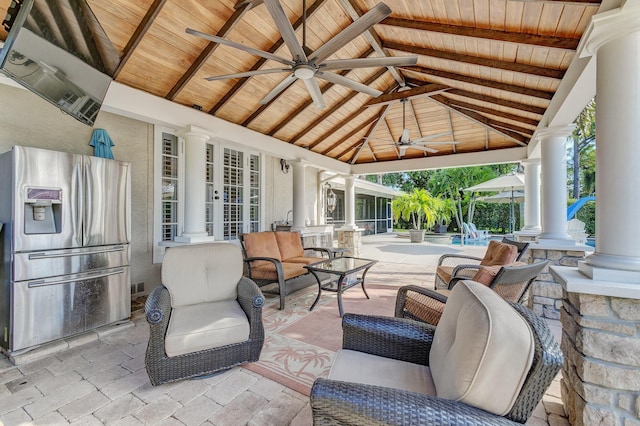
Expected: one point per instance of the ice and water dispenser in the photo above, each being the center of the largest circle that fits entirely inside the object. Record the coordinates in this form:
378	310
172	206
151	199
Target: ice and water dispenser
42	210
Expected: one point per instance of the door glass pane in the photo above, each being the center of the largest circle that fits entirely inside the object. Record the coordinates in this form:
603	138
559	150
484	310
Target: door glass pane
210	191
254	195
233	194
170	196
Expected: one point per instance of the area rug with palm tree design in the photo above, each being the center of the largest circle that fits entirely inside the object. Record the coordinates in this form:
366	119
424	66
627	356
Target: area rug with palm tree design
300	344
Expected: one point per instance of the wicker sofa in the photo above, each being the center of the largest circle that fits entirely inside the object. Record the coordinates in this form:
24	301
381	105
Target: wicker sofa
278	256
489	362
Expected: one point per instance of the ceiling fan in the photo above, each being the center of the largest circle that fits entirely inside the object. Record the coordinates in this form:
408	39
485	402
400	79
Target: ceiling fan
405	142
307	65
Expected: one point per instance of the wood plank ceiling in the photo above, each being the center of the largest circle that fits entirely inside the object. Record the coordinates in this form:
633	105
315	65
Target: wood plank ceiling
486	69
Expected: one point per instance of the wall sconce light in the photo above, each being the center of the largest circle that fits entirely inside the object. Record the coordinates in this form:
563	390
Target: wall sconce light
284	166
330	198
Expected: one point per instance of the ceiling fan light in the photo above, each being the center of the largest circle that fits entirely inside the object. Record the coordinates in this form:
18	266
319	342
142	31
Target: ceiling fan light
304	72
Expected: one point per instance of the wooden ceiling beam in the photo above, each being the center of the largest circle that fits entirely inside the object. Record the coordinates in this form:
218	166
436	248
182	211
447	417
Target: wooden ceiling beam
354	11
475	60
492	100
480	97
139	34
211	47
349	136
542	94
309	101
337	106
485	33
260	62
422	90
482	120
365	141
497	113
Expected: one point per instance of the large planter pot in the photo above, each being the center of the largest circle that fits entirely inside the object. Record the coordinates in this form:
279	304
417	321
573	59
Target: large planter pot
416	235
440	229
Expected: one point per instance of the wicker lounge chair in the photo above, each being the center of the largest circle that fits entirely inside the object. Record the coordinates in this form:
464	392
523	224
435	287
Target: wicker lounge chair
510	281
391	369
496	254
206	317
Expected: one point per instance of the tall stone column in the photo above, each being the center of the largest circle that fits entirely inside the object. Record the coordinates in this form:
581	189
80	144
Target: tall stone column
299	205
531	197
618	156
553	142
601	300
195	185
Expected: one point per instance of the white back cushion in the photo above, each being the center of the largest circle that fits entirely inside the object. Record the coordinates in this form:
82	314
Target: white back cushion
482	349
202	273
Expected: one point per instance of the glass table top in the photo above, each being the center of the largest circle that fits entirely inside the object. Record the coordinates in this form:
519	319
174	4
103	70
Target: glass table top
342	264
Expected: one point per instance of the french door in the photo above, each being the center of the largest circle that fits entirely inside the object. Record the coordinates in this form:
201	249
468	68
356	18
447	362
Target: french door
241	201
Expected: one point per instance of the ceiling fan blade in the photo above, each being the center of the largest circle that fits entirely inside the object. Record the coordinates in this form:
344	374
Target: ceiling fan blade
347	82
436	142
404	137
429	137
288	81
248	74
357	27
314	90
287	32
239	46
424	148
341	64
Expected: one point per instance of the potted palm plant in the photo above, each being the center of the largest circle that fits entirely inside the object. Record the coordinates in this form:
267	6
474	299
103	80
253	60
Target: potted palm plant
419	207
443	216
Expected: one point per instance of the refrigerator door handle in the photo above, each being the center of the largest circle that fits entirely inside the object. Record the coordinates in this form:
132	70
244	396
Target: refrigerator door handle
87	207
78	207
88	276
47	255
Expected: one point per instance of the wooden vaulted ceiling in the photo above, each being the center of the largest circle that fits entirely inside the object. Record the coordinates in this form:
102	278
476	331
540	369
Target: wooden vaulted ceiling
486	71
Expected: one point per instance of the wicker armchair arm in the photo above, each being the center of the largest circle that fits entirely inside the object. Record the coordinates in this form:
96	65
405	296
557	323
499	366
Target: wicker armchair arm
389	337
457	259
420	304
334	402
158	305
251	300
462	272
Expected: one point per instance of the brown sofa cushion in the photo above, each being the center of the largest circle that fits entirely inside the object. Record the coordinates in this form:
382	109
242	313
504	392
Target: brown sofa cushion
499	254
305	260
261	244
289	244
267	271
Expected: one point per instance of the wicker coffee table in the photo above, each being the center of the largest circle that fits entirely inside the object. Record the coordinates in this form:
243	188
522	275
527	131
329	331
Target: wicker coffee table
346	270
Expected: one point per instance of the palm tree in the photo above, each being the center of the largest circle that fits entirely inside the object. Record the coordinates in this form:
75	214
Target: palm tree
420	207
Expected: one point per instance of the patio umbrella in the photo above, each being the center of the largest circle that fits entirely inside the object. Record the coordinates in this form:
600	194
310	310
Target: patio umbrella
509	184
101	143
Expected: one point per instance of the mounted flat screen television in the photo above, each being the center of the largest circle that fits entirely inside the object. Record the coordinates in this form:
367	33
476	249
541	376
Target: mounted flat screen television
58	50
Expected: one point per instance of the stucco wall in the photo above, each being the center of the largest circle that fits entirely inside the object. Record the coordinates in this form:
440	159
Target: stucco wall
27	120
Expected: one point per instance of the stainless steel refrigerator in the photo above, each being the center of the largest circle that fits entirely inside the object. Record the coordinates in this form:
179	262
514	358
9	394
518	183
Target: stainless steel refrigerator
65	245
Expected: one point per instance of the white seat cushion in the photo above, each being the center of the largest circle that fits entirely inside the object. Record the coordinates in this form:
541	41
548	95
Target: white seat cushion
202	273
360	367
482	349
204	326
